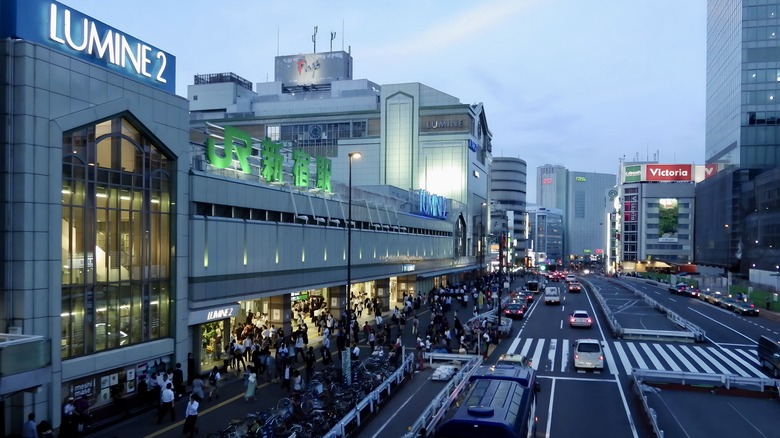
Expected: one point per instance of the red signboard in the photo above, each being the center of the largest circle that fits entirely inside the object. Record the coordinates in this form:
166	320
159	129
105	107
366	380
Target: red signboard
669	172
547	181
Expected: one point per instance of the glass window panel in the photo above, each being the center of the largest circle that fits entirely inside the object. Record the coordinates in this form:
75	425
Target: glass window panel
130	155
761	75
104	153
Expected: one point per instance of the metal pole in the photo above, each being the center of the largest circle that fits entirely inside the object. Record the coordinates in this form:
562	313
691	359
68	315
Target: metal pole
349	240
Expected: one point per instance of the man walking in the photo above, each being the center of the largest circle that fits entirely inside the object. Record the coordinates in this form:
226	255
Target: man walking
191	416
166	403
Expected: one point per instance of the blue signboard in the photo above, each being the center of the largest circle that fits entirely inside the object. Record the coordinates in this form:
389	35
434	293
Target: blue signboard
67	30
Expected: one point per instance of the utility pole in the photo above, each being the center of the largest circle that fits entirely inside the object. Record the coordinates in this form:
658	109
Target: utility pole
501	261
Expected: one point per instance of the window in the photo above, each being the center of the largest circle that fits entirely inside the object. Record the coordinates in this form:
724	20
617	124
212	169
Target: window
116	247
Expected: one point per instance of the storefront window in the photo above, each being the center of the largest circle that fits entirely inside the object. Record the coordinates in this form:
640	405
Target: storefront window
116	240
212	340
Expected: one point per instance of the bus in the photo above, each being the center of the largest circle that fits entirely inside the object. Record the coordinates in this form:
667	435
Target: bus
500	402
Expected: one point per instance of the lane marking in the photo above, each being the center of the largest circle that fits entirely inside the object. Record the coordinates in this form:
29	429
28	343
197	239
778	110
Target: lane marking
683	359
724	325
551	353
734	366
652	357
526	347
550	410
613	369
667	358
750	368
564	355
623	358
400	408
715	362
639	360
750	355
537	354
699	362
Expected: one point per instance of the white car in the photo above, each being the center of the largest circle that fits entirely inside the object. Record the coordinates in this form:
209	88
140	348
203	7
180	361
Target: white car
580	318
588	354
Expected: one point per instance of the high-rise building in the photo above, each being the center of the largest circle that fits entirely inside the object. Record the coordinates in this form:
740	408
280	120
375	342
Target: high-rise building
508	191
743	84
545	236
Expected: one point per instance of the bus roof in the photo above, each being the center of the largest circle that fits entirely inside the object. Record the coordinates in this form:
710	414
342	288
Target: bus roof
523	375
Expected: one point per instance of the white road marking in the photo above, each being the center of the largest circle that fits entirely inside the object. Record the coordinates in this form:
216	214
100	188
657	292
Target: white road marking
699	362
623	358
667	358
750	368
550	410
736	369
651	355
683	359
537	354
610	360
551	353
639	360
724	325
723	370
564	355
526	347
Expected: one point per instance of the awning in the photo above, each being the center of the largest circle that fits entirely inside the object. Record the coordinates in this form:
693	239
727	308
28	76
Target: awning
447	271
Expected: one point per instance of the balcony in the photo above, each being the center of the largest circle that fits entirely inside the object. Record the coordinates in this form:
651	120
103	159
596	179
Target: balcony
25	363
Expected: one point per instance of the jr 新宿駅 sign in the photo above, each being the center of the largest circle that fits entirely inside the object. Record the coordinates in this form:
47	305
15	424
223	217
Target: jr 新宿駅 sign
73	33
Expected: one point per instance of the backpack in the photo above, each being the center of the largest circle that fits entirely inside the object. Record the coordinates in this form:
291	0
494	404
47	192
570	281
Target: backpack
212	378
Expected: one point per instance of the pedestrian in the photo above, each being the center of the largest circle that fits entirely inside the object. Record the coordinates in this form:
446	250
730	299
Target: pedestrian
251	387
197	388
190	369
29	429
178	381
297	381
191	416
214	383
355	351
767	302
287	375
166	403
415	324
372	340
310	359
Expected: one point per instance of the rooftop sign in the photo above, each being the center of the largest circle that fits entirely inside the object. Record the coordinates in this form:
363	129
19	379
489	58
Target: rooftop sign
58	27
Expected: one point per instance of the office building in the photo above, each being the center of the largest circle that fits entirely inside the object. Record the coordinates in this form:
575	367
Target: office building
508	193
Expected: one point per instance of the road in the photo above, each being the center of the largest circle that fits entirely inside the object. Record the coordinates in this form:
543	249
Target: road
571	401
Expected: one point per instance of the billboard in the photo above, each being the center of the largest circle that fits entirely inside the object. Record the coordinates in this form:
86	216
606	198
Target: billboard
632	174
313	68
668	216
668	172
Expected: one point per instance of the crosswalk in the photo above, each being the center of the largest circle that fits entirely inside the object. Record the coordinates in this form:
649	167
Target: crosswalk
621	357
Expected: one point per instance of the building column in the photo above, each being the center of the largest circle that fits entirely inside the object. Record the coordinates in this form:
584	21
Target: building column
382	293
281	312
337	300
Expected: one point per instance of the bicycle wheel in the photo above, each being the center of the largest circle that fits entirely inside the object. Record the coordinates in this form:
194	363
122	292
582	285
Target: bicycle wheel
284	403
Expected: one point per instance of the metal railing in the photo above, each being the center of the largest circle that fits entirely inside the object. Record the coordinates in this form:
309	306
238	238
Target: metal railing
641	376
366	407
614	326
442	402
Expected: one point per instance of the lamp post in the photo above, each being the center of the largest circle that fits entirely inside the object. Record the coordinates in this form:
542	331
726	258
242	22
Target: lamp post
728	258
352	156
482	239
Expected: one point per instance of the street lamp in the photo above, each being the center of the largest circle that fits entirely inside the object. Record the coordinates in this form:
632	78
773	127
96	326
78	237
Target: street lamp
482	239
352	156
728	258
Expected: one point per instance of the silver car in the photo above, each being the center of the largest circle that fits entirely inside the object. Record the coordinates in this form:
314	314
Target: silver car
580	318
588	354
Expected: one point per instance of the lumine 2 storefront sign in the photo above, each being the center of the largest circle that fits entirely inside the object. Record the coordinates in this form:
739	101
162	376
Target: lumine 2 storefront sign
67	30
240	142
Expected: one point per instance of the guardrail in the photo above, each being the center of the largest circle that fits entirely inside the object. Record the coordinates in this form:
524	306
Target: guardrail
693	332
442	402
366	407
728	381
614	326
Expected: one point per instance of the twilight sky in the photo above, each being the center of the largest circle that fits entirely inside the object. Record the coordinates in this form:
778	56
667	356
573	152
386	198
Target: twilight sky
570	82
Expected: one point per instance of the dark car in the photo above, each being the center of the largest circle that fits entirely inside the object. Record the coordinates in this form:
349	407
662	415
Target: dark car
745	307
728	302
678	288
575	287
514	310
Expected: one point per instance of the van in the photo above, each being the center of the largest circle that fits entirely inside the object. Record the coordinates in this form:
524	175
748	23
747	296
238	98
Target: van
551	295
769	355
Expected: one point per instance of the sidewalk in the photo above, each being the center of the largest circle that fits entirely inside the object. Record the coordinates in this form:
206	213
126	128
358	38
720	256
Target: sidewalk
217	414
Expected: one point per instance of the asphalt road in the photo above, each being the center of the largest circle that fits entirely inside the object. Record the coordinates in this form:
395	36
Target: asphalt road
571	402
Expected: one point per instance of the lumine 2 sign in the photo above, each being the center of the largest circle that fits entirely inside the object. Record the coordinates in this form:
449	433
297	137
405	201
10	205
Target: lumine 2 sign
67	30
240	142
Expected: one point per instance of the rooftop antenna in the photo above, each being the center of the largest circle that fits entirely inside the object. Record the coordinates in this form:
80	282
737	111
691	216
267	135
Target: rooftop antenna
332	37
342	34
314	39
277	40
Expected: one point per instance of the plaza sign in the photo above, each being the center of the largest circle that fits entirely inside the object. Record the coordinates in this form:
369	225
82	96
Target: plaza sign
432	205
66	30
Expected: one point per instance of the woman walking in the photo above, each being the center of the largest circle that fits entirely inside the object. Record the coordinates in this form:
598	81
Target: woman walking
251	387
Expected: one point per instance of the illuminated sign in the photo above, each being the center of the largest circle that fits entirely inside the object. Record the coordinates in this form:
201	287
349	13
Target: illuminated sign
223	312
297	296
240	142
547	180
450	123
579	179
67	30
632	174
432	205
472	145
668	219
313	68
710	170
407	268
669	172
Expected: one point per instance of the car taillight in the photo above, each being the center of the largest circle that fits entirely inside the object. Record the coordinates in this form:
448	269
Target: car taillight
751	305
601	357
506	311
576	356
588	320
571	319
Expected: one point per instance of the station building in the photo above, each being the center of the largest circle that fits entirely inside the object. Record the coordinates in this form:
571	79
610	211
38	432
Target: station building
131	238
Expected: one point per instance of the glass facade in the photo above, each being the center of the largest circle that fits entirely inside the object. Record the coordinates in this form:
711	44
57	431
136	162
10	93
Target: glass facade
743	83
116	238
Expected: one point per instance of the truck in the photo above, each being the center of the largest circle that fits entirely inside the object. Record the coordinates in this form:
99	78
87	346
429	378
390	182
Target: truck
552	295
